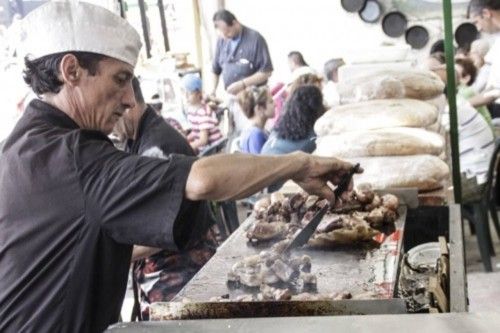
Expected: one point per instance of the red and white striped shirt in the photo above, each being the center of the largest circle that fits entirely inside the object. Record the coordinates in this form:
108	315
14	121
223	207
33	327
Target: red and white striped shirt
202	118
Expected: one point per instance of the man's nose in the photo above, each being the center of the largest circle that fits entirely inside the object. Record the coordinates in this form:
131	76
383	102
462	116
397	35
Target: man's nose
128	100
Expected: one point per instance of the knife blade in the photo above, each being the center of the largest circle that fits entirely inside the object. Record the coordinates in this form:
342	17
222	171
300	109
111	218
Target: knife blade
303	236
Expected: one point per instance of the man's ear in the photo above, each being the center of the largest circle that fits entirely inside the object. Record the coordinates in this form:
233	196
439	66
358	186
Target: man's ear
70	69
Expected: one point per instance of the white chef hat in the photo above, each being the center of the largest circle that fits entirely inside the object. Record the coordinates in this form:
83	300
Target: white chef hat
78	26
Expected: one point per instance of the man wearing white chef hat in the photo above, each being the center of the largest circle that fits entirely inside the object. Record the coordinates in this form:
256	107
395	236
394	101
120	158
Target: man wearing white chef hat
72	205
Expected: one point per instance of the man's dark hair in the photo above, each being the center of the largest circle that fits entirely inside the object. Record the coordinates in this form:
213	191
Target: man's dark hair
139	97
438	46
477	6
224	15
302	109
468	69
42	74
297	58
439	56
331	66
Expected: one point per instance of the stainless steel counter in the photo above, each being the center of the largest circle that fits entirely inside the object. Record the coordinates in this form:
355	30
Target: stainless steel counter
418	323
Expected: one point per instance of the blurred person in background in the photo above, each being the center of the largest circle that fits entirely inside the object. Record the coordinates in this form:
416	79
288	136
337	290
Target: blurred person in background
160	274
204	124
486	16
280	91
296	60
331	73
478	50
242	59
258	105
301	76
467	73
295	129
476	139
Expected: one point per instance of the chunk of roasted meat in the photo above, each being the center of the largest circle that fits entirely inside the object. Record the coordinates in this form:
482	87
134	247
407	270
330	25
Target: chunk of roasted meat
264	231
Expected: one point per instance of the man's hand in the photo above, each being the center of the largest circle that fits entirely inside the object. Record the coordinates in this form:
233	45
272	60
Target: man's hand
319	171
235	87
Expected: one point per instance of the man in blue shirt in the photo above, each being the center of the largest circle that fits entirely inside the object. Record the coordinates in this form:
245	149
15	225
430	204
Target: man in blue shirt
243	60
241	55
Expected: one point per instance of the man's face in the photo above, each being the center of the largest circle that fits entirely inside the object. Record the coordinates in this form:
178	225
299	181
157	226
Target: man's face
193	97
125	127
103	98
270	106
484	21
226	31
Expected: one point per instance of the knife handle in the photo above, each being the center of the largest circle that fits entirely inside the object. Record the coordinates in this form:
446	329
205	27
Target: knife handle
344	182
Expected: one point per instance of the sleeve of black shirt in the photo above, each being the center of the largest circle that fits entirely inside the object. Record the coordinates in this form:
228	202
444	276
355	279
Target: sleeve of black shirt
136	199
263	63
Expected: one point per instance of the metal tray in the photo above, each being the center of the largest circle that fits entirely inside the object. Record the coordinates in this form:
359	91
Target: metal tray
359	270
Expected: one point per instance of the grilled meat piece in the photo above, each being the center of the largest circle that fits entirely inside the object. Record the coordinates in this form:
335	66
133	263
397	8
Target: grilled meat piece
329	223
277	197
308	278
297	200
390	201
364	193
376	202
262	204
282	270
263	231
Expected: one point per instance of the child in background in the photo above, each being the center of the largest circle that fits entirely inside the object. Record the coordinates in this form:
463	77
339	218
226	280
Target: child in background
204	124
257	104
466	73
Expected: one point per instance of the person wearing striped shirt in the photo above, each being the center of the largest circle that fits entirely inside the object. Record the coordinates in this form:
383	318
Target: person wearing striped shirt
204	124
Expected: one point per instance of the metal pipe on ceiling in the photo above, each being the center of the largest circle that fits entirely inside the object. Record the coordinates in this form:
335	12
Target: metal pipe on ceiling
145	28
163	21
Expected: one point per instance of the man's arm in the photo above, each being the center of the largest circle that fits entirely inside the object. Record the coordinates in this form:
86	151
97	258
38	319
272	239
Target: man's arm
252	80
257	78
224	177
485	98
201	141
215	83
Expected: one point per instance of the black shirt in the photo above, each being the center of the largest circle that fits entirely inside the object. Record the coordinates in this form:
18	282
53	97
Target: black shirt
156	138
153	131
71	206
250	55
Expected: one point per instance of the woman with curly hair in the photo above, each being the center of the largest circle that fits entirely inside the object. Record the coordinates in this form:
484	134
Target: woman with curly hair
258	106
295	129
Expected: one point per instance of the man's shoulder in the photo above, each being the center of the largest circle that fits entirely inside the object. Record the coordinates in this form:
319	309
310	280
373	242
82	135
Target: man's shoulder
252	34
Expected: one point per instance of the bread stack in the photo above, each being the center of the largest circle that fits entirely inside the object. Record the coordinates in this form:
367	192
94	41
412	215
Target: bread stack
388	122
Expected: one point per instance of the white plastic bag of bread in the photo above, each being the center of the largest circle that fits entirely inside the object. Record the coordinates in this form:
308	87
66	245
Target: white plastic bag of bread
425	172
411	83
381	142
383	113
440	103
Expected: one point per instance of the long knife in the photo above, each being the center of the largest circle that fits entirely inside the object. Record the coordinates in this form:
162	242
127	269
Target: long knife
303	236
